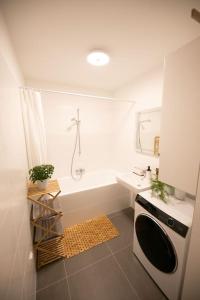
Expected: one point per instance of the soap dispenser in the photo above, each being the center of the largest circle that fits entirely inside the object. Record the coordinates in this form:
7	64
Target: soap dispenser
148	173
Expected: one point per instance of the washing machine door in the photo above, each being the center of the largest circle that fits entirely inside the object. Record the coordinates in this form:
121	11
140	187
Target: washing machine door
155	244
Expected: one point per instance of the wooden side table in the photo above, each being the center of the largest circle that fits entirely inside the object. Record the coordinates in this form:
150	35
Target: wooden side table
45	216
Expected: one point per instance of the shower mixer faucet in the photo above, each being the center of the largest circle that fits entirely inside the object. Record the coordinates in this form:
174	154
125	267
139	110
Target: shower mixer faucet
80	171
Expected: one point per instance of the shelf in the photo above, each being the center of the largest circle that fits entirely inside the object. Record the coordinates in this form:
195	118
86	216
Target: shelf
53	187
50	251
44	225
45	217
39	212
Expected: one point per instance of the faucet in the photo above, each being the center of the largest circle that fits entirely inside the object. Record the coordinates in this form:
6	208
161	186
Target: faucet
80	171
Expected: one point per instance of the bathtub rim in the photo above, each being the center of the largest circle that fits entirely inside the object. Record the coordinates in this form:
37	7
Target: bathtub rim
92	187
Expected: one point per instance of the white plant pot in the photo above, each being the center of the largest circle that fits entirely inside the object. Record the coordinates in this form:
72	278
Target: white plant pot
169	190
42	185
179	194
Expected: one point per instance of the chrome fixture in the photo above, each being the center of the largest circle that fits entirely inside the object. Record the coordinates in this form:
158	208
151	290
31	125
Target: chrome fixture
80	171
80	94
77	145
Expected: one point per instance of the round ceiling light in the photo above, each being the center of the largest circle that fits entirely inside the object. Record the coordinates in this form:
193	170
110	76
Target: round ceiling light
98	58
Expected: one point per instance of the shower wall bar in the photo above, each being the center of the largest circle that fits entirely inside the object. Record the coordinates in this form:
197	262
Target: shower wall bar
79	94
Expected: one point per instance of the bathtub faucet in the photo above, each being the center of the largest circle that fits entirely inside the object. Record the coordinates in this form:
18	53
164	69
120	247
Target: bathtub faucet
80	171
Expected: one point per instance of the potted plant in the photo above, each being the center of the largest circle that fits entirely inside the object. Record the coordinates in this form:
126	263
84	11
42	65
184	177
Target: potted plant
41	175
159	189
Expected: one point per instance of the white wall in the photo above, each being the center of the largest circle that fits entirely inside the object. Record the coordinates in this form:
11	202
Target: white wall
191	288
100	124
17	276
108	129
146	91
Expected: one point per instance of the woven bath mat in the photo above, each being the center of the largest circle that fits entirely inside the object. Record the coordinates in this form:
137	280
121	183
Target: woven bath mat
77	238
84	236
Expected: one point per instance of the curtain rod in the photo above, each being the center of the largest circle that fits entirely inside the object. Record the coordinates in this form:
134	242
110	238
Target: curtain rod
77	94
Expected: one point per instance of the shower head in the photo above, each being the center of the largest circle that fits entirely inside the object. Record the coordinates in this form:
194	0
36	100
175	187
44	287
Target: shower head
74	122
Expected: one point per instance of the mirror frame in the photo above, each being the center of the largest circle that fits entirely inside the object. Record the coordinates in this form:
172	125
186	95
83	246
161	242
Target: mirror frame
156	141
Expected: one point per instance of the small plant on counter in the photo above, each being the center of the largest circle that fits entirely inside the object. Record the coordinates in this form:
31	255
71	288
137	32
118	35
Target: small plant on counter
41	174
159	189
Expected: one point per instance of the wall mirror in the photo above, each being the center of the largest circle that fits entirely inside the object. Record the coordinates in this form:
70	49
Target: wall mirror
148	132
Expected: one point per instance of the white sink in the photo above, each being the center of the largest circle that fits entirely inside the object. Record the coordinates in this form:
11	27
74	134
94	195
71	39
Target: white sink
133	182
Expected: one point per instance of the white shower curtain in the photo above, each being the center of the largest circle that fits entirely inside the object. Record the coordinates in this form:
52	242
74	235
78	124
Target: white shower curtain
34	127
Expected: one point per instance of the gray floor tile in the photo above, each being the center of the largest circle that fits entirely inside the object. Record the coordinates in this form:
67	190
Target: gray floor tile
86	258
50	273
139	278
102	281
127	211
124	223
57	291
117	213
95	274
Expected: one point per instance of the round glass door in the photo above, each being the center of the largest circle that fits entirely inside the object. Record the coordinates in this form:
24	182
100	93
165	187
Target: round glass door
155	244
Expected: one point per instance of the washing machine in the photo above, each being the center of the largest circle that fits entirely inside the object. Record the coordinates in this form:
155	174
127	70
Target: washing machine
161	238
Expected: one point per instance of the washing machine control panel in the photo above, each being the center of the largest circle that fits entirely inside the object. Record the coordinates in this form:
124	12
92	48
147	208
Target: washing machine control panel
162	216
170	222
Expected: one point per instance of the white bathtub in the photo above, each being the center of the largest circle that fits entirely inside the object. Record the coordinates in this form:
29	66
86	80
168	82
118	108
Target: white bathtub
95	194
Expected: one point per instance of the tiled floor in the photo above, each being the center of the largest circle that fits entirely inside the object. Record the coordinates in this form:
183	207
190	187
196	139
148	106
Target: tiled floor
109	271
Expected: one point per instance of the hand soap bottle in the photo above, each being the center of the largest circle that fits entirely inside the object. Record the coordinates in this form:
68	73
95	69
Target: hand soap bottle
148	173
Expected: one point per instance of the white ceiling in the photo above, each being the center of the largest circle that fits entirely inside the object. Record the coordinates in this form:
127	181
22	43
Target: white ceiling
52	38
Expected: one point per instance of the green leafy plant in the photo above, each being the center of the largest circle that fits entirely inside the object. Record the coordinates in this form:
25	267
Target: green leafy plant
158	187
41	172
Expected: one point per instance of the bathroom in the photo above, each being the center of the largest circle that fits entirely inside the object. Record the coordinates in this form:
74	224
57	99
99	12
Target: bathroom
91	124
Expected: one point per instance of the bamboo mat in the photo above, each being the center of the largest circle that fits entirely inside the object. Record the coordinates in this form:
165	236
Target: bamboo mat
78	238
81	237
